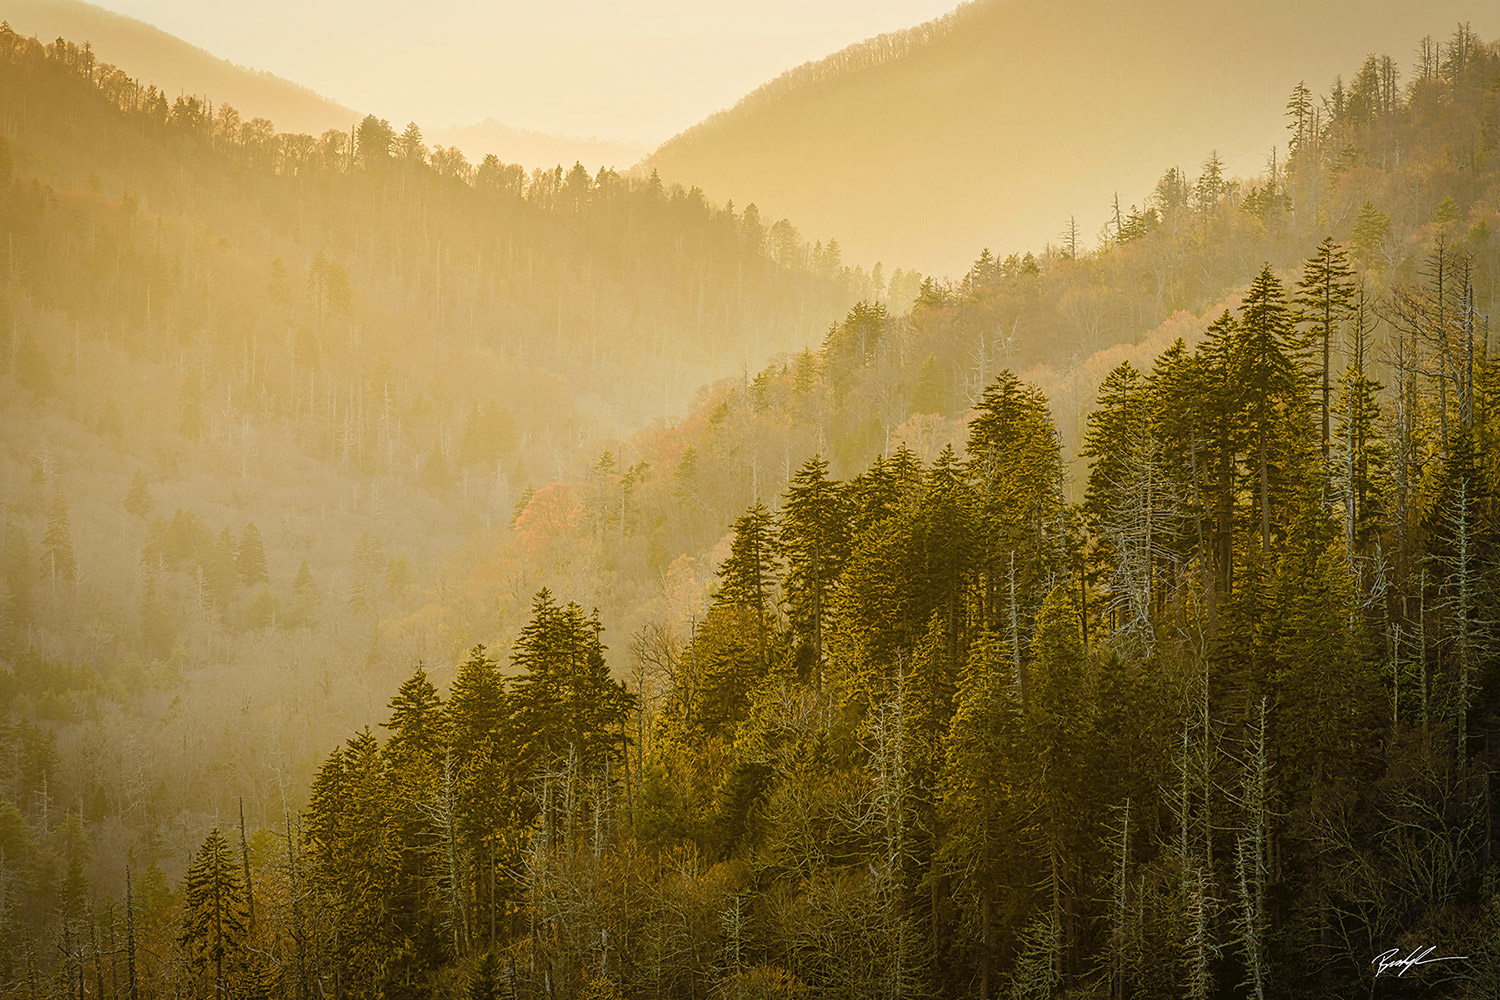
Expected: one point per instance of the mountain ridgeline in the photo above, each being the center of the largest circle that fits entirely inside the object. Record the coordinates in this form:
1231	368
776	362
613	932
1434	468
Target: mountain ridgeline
174	66
1114	622
147	53
994	124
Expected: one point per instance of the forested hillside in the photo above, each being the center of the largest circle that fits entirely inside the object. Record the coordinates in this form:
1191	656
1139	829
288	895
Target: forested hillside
997	123
1119	622
255	388
176	67
155	57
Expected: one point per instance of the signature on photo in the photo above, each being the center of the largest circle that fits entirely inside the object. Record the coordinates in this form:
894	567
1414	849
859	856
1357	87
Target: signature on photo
1393	959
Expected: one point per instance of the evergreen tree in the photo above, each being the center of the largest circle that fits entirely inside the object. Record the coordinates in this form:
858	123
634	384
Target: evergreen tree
1299	108
1463	547
567	706
1204	403
747	579
214	931
264	610
882	491
373	141
945	560
815	541
1361	455
727	669
1063	788
1269	367
482	743
418	818
1134	511
1325	295
418	726
1369	235
489	432
409	146
851	344
880	609
485	981
1015	466
357	852
1119	417
982	771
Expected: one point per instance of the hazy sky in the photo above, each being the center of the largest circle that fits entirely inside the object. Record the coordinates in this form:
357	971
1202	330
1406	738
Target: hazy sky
639	70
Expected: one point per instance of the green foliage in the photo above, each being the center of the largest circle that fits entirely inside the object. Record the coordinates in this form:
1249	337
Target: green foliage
815	542
214	924
1325	295
566	704
747	579
1016	469
1369	235
417	724
1268	366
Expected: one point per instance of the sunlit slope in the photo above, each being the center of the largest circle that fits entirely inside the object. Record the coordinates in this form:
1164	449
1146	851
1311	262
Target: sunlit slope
154	56
993	125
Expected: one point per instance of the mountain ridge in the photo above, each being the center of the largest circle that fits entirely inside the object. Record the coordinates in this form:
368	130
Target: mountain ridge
177	66
990	126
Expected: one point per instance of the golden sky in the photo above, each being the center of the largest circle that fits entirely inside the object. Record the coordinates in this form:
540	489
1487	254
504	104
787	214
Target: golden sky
642	70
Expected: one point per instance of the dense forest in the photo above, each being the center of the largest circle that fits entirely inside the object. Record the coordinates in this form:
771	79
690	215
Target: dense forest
1105	622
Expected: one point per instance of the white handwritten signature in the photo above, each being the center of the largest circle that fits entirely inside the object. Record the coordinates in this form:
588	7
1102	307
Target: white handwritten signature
1392	959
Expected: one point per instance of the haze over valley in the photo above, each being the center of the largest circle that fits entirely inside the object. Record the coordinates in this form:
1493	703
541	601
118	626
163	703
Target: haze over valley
842	551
